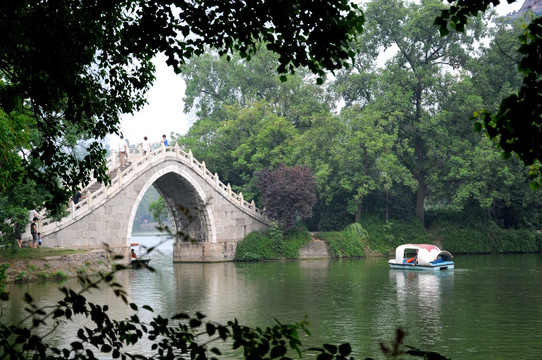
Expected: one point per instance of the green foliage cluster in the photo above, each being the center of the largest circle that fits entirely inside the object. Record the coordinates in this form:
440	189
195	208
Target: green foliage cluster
272	244
3	278
35	273
158	210
381	238
470	239
352	242
517	123
385	236
294	240
255	246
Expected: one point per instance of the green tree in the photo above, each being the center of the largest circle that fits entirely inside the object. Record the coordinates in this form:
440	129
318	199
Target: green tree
318	148
214	82
473	177
414	77
247	118
158	210
367	161
517	124
254	138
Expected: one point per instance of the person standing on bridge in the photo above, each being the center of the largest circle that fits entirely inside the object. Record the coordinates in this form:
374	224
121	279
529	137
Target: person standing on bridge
123	150
146	145
164	141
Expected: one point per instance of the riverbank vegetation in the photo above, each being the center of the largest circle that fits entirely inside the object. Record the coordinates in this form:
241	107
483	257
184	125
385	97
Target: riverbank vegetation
376	237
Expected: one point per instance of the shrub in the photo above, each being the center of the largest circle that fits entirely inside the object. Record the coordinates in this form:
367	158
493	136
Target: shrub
384	236
42	275
343	244
3	279
277	239
60	275
294	240
272	244
458	238
20	276
255	246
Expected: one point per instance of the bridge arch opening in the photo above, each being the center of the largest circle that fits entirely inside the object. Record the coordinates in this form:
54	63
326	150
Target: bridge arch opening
186	204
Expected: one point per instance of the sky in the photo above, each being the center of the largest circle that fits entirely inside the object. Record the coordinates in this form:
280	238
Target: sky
164	112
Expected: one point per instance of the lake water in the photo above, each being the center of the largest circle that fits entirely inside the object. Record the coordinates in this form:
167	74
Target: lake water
488	307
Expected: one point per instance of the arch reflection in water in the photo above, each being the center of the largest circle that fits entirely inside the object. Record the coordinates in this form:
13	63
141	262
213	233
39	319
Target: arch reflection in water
419	297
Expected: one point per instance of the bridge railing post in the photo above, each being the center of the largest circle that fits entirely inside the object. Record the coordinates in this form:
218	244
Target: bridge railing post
241	199
190	157
119	176
89	199
203	168
217	181
229	191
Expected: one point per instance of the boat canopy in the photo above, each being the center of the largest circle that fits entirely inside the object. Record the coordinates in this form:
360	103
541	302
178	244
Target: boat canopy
426	253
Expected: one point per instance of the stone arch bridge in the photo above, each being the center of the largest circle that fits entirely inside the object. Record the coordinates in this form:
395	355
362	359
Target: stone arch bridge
200	205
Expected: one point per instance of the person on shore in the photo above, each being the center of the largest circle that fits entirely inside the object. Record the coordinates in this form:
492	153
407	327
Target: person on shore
34	233
18	234
39	239
123	150
164	140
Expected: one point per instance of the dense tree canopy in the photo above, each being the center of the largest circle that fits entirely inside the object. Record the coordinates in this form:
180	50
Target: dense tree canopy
406	121
517	124
78	65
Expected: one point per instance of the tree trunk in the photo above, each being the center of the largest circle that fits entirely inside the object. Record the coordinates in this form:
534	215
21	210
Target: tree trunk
420	159
387	202
358	213
420	198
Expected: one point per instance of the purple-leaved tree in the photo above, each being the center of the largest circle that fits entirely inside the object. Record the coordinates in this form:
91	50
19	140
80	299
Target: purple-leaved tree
289	194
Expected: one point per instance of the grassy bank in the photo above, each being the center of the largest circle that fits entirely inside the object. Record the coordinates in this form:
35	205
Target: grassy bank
27	264
12	253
